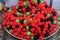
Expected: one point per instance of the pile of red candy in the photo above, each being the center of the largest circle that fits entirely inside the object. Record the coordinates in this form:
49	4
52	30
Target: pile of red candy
31	20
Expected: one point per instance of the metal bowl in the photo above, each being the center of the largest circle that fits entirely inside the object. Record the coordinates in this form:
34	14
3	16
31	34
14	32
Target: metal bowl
13	35
52	36
46	38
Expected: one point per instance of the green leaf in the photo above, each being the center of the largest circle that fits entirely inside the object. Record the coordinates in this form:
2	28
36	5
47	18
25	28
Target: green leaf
41	1
25	4
18	13
24	21
9	10
28	13
35	0
58	18
31	19
27	27
54	22
32	38
48	15
17	7
17	20
32	14
28	33
59	23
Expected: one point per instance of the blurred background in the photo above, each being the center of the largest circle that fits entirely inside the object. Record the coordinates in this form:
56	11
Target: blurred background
56	4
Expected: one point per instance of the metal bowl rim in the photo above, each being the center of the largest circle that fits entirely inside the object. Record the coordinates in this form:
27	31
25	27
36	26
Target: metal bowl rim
25	39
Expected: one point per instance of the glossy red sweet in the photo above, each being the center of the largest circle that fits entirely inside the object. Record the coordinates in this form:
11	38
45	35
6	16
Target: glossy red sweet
38	17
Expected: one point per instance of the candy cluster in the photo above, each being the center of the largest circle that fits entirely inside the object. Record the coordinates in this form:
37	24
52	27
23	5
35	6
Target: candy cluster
31	20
